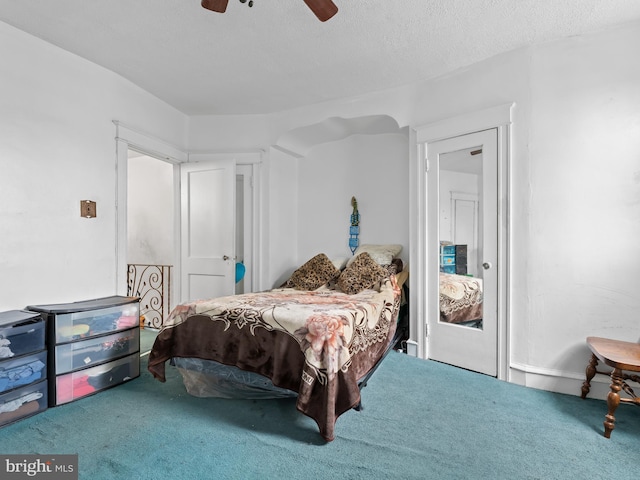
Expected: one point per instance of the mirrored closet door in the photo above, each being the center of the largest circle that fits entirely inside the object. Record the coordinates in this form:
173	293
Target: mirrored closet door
462	251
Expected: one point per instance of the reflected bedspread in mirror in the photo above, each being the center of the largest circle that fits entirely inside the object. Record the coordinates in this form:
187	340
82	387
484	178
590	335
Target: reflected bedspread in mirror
460	299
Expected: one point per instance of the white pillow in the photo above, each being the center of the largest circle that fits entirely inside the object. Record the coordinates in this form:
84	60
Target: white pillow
339	262
381	254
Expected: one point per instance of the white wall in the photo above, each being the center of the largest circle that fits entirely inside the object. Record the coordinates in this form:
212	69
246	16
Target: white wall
585	197
150	216
374	169
57	148
280	217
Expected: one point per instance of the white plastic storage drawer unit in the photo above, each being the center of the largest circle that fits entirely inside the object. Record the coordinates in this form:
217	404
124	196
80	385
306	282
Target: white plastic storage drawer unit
93	345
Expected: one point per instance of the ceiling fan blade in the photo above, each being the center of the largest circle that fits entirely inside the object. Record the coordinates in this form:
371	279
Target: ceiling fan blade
219	6
323	9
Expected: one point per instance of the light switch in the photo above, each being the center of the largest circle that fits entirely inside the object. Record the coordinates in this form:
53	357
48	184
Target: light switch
87	209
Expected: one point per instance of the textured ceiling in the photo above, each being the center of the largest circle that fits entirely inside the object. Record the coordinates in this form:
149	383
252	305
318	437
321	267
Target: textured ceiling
277	56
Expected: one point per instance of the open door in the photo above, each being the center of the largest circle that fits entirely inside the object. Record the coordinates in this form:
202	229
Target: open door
462	251
207	229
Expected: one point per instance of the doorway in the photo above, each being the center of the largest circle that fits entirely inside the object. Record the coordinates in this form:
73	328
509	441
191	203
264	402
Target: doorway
128	139
462	244
150	238
425	236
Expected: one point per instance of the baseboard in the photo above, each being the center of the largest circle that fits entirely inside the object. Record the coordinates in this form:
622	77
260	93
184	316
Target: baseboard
552	380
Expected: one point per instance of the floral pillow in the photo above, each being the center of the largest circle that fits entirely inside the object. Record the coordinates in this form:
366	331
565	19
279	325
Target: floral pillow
362	273
313	274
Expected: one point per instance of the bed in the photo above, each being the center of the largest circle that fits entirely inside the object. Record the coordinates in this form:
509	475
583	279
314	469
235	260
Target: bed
460	299
318	338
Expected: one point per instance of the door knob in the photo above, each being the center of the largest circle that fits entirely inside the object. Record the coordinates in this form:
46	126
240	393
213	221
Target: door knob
486	265
225	257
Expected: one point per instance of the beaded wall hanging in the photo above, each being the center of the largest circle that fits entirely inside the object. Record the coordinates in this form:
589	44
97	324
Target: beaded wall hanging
354	229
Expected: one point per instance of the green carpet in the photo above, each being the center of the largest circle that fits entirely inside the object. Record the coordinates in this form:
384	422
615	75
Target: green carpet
147	337
421	420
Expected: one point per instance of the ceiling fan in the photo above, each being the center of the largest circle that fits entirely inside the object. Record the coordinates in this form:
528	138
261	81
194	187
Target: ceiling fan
323	9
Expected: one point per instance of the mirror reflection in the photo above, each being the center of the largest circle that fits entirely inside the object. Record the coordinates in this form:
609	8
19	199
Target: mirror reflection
460	227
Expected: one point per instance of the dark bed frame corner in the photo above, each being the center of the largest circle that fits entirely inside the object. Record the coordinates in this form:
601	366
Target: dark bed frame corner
401	334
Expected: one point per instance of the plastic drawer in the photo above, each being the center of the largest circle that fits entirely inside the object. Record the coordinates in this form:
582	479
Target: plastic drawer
19	371
82	383
448	249
23	402
81	354
20	333
447	259
78	325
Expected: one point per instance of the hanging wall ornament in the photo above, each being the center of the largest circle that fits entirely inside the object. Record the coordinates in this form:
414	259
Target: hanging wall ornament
354	229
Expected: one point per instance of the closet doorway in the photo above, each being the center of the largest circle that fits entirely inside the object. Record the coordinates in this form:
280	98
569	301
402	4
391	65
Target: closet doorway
462	244
477	219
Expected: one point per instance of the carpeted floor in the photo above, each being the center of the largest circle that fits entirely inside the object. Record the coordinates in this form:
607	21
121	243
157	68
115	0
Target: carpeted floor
147	337
421	420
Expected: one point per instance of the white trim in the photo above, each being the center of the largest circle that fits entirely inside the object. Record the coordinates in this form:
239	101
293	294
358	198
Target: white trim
256	230
504	246
243	157
176	293
495	117
467	123
122	163
417	232
287	151
559	381
148	144
129	138
547	372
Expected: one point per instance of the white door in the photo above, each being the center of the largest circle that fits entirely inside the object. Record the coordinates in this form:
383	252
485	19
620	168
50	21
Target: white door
464	209
207	191
458	164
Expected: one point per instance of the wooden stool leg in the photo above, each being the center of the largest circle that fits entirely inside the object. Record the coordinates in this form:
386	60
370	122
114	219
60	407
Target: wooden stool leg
591	372
613	400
